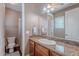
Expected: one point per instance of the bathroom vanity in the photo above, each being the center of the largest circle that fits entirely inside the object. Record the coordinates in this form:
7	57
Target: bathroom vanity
37	48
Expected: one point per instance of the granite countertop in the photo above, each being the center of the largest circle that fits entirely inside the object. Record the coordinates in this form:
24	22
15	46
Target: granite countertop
60	47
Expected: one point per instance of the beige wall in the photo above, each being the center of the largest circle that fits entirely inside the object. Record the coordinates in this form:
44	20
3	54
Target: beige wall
32	17
11	23
2	31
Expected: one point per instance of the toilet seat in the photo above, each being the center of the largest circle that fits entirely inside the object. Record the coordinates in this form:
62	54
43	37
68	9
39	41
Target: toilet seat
11	45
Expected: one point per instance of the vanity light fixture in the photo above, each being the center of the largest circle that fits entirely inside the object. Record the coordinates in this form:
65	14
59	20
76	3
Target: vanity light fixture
44	9
50	7
53	6
48	11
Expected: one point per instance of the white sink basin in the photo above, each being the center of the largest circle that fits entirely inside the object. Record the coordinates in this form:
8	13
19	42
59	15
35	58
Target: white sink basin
47	42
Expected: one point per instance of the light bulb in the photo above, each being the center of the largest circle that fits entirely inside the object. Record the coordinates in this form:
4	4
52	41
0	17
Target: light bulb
52	9
48	6
44	9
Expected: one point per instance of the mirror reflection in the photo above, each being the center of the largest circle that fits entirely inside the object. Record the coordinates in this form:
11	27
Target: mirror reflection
65	24
59	26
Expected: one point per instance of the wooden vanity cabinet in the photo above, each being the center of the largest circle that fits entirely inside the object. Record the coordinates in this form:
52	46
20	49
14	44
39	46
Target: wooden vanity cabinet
52	53
40	50
36	49
31	47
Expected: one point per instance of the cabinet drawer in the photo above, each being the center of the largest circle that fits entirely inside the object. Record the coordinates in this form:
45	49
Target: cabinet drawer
41	51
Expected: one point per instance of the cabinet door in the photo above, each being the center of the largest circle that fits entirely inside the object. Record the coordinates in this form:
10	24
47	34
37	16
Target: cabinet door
52	53
41	51
31	48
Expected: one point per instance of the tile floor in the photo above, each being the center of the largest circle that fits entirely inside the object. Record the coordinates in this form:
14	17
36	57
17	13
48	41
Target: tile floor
13	54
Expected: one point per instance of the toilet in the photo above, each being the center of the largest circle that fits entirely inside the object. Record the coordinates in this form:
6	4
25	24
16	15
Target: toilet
11	44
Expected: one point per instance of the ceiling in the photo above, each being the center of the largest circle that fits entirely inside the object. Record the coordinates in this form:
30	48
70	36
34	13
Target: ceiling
14	6
62	6
38	7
